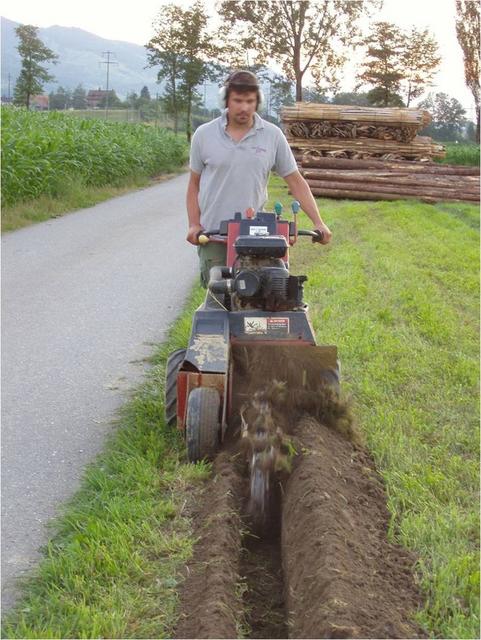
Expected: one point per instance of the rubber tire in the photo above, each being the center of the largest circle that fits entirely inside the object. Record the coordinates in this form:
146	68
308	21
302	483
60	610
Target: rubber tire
174	363
202	423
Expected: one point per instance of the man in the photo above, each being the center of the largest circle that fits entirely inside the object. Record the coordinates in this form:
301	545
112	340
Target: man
230	161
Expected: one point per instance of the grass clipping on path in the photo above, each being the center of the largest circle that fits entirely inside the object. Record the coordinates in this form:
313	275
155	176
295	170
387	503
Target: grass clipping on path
114	562
397	291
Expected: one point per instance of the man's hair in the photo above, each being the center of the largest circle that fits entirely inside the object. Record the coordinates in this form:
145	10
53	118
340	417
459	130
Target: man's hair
241	82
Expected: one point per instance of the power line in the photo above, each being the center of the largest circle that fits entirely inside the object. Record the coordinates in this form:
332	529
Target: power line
108	62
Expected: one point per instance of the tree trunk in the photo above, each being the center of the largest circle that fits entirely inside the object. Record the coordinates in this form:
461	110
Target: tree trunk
297	70
189	108
477	125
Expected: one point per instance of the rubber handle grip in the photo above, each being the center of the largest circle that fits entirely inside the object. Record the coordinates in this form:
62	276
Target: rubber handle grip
320	236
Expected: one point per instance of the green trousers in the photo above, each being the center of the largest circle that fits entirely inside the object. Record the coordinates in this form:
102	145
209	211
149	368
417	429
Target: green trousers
212	254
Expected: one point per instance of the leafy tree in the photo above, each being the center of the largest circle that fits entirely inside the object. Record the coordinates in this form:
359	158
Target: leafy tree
298	34
280	94
312	94
79	97
113	100
420	60
467	31
448	117
61	99
351	98
131	101
184	49
32	75
382	67
398	64
145	93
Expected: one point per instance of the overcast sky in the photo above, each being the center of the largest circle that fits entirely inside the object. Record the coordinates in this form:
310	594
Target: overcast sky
132	22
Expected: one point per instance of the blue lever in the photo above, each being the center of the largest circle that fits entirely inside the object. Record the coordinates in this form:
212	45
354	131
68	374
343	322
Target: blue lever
295	206
278	209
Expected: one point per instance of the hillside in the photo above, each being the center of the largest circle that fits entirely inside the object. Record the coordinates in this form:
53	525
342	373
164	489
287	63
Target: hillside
80	57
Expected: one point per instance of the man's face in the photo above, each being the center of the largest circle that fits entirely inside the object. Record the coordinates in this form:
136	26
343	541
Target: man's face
242	107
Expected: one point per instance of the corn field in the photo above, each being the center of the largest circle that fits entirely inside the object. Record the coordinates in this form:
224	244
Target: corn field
41	152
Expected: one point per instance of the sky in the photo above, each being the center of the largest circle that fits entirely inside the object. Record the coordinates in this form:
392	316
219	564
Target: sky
132	22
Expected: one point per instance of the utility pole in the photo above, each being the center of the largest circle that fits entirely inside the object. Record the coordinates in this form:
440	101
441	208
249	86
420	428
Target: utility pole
108	62
9	78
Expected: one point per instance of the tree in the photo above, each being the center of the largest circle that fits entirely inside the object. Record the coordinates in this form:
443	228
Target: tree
32	75
184	49
145	93
467	31
382	67
61	99
299	35
312	94
351	98
280	94
448	117
398	64
420	60
113	100
79	97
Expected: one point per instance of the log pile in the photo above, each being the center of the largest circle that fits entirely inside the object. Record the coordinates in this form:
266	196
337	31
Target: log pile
375	180
366	153
327	130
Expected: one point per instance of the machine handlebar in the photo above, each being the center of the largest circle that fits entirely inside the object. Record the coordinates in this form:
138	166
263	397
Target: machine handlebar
203	237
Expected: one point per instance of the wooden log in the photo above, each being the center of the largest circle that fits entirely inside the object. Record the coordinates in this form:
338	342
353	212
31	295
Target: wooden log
389	115
400	190
382	165
340	194
458	182
420	146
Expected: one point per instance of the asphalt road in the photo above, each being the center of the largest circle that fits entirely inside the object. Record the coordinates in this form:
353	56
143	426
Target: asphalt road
84	297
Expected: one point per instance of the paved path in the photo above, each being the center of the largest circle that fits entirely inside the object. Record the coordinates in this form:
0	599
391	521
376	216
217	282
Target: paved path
83	299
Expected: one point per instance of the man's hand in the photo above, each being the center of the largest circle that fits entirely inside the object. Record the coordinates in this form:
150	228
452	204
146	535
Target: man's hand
193	233
326	232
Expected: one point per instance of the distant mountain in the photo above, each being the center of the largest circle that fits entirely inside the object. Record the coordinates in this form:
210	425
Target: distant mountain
80	57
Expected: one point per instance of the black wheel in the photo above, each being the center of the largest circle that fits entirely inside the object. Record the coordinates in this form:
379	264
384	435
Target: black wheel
174	363
202	424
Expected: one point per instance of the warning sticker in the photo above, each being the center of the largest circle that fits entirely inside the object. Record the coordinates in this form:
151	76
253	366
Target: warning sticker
273	325
278	325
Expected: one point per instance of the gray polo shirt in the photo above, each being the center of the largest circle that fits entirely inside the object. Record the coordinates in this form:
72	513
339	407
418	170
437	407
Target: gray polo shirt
234	175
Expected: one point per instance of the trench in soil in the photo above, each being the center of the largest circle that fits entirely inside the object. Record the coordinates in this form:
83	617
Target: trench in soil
262	579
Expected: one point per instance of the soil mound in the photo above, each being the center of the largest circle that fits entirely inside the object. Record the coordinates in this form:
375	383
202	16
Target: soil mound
342	578
211	605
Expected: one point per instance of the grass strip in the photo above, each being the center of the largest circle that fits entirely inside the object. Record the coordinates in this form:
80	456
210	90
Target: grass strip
398	292
113	565
74	195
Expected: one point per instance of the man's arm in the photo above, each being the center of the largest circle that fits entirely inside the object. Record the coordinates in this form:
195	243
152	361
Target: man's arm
193	210
300	190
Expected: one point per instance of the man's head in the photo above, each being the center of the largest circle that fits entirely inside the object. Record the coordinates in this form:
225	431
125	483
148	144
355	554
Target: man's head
242	95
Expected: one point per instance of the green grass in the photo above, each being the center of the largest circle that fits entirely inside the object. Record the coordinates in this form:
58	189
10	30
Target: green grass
466	154
397	290
41	152
73	195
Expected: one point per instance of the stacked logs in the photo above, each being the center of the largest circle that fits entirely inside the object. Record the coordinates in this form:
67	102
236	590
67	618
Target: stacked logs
375	180
366	153
328	130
